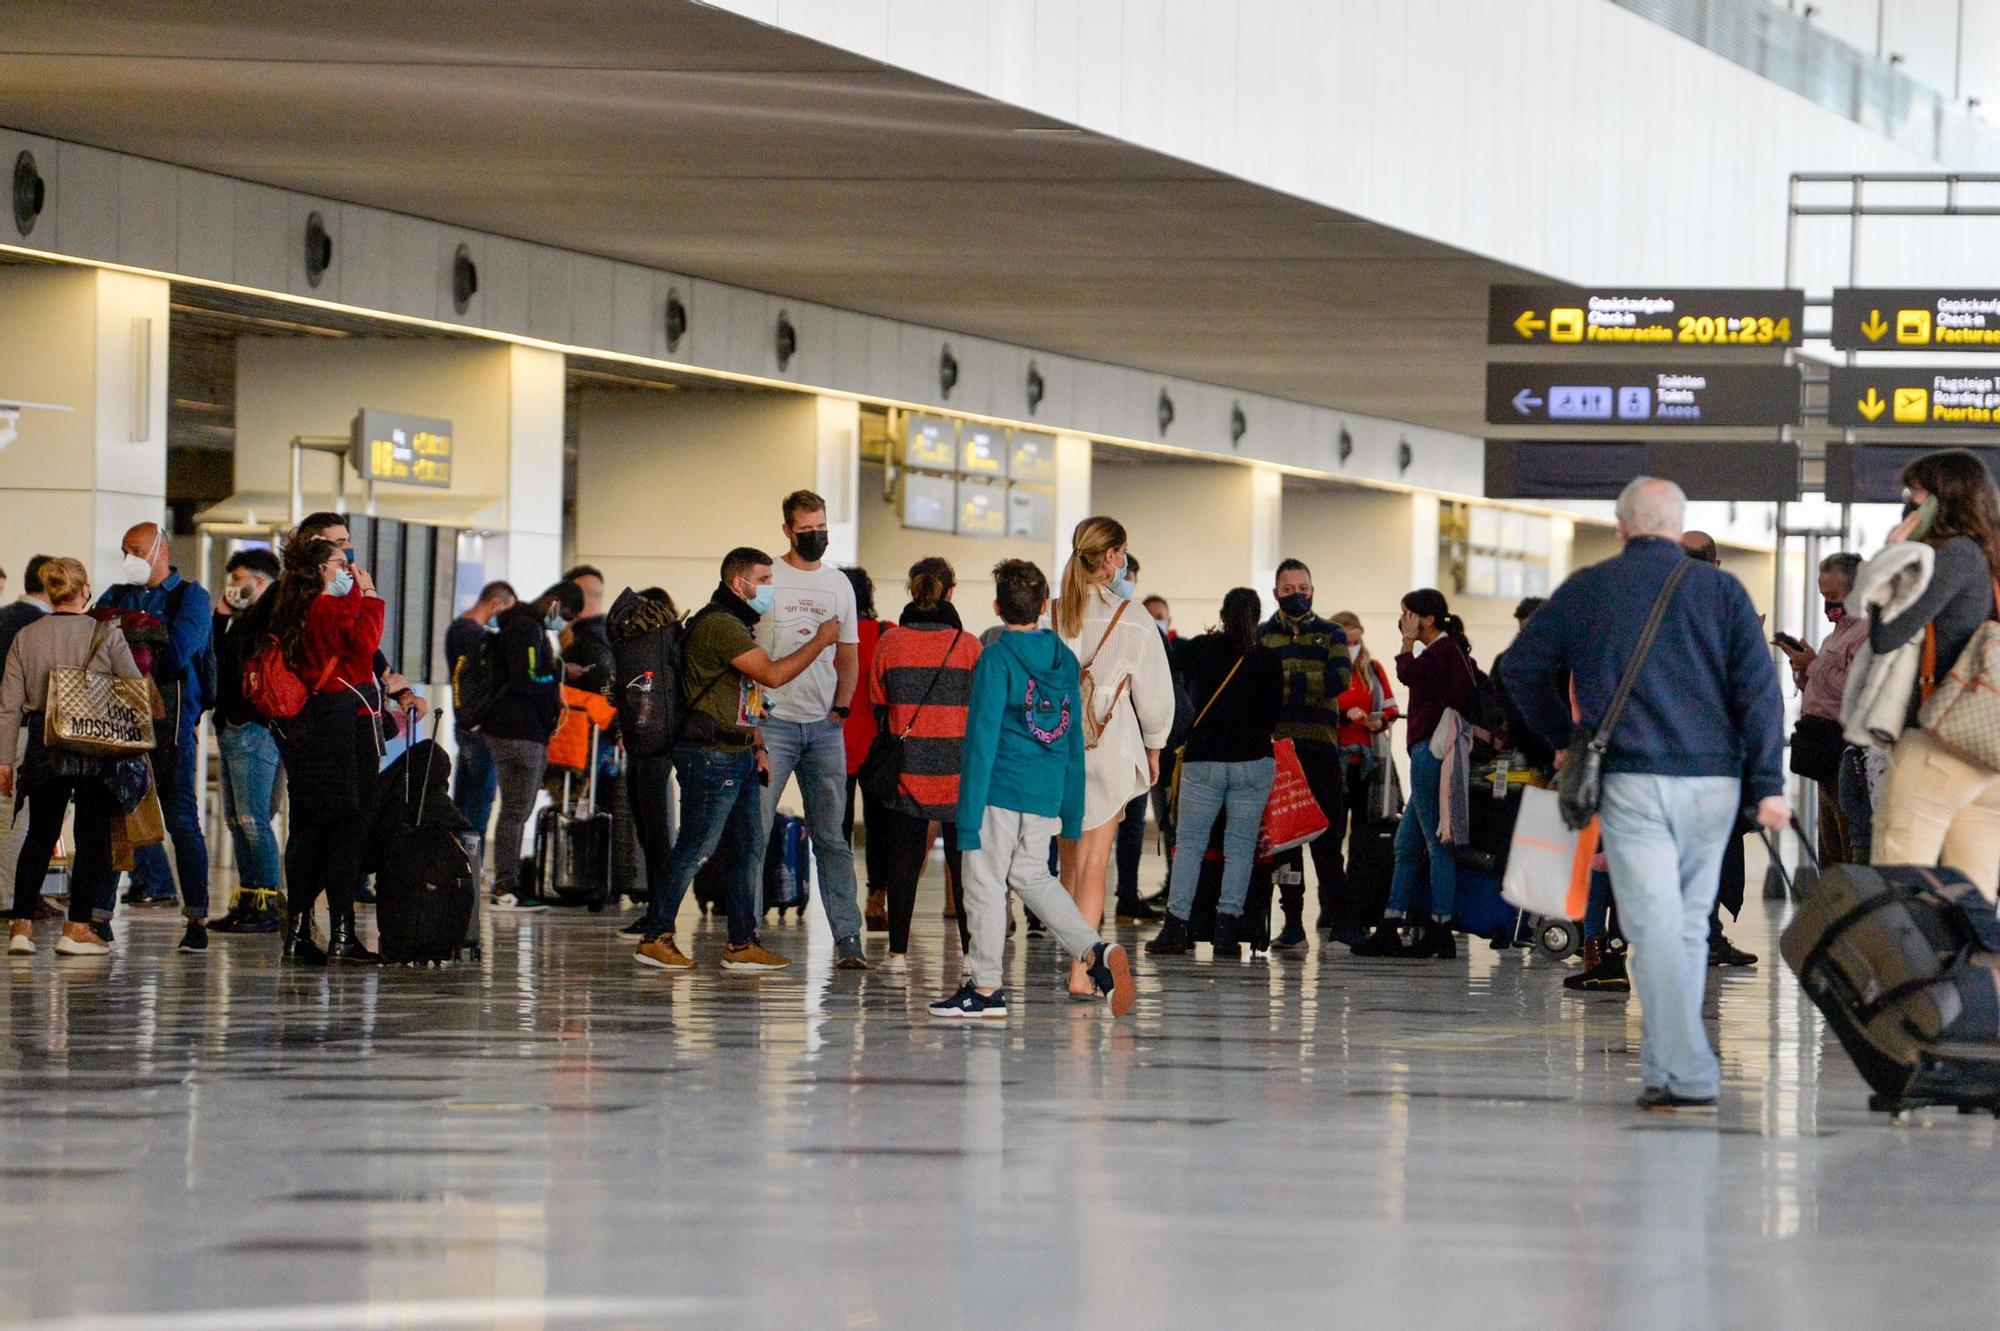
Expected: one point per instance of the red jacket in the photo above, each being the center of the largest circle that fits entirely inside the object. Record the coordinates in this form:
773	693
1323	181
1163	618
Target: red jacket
1355	733
343	631
860	728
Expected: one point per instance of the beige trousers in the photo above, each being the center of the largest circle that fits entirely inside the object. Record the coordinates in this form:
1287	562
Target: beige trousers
1938	808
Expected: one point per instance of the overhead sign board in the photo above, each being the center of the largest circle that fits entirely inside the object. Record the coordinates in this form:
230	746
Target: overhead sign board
982	508
1522	393
396	446
1596	317
982	450
928	502
930	443
1873	473
1911	397
1034	457
1717	469
1905	319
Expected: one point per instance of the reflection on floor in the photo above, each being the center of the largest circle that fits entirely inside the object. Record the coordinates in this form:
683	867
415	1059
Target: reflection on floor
556	1139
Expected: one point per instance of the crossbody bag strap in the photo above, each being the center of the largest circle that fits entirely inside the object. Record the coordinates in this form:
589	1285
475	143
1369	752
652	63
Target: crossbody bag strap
931	688
1109	629
1602	739
1203	713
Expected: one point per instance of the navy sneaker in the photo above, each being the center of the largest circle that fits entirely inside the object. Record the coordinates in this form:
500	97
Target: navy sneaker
1111	972
1292	936
1660	1100
968	1004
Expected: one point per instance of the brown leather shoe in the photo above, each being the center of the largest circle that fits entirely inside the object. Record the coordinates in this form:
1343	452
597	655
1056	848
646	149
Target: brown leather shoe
876	917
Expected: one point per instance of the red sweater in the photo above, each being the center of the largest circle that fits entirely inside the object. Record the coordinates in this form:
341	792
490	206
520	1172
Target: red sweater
1440	677
1355	733
905	662
860	727
343	630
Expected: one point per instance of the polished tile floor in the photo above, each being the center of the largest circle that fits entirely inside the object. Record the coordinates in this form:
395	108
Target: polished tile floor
555	1139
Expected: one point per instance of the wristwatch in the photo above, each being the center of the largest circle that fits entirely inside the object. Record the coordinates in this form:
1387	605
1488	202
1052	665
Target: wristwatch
841	712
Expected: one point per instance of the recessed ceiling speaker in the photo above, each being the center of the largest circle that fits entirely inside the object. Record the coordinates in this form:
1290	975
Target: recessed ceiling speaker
947	372
31	192
1346	446
464	279
1166	412
1239	424
786	340
1037	389
677	319
319	249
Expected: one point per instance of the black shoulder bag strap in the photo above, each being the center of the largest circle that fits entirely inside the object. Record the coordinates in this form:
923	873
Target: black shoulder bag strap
931	688
687	711
1580	783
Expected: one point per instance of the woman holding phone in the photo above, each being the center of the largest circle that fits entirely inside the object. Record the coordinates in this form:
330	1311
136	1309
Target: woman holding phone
1936	806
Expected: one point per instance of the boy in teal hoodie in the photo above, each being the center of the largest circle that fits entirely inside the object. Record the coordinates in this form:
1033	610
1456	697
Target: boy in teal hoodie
1021	781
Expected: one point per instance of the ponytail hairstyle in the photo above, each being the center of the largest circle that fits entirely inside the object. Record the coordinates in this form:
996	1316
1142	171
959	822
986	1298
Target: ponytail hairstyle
298	583
1347	619
1429	603
931	581
1093	539
1242	612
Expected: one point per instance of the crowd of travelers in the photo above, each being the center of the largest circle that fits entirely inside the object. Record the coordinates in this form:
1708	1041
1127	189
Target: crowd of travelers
1033	752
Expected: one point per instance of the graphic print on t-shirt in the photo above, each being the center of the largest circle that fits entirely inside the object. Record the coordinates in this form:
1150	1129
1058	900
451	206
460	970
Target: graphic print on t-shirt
802	600
749	704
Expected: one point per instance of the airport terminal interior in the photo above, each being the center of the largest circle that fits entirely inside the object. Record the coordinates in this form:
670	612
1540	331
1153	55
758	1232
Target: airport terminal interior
1385	299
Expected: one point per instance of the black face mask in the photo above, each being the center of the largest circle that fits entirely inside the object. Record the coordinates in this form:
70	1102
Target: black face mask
1297	605
810	545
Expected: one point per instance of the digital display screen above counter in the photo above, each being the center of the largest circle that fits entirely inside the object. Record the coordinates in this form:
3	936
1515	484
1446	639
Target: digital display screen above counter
398	447
930	443
1522	393
1559	316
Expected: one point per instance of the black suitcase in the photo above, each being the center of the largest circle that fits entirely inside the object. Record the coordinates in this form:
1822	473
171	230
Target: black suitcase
1371	867
711	881
1208	895
573	845
1904	962
426	897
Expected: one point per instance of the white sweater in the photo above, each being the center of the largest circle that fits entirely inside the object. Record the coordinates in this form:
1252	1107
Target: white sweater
1135	651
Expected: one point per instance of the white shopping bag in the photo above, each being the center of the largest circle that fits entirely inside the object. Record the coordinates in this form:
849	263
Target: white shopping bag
1548	868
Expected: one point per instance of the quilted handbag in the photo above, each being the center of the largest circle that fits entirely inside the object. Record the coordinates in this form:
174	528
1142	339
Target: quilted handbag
1963	710
95	712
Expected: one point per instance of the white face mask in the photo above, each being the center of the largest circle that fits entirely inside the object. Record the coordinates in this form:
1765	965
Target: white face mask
138	569
239	598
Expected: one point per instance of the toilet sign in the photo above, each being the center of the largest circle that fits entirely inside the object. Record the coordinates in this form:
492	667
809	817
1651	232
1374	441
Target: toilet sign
408	450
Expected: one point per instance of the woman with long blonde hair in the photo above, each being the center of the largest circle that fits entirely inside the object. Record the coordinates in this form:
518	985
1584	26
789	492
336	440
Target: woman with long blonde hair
1128	700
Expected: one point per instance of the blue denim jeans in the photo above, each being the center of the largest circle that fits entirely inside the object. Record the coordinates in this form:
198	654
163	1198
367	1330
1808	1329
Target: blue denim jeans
1207	789
1417	843
180	805
816	752
249	783
1665	836
474	781
722	813
1596	920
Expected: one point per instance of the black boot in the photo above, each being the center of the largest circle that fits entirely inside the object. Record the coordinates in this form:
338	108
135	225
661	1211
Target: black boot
1131	910
1172	941
299	944
1228	943
343	944
1436	940
1386	941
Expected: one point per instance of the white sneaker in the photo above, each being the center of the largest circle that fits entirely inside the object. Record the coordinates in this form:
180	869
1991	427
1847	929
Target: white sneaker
76	947
21	945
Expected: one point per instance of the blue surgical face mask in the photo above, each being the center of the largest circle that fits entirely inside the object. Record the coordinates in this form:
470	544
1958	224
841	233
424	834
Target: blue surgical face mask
342	584
1121	583
761	599
554	622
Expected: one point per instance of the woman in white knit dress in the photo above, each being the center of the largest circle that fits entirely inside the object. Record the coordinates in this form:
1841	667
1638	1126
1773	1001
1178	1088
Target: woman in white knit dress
1131	701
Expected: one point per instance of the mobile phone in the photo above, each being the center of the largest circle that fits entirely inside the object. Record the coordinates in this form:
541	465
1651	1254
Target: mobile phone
1787	640
1926	515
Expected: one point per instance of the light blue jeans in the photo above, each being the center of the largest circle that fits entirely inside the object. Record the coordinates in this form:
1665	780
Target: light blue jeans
249	782
1665	837
1207	789
816	752
1418	847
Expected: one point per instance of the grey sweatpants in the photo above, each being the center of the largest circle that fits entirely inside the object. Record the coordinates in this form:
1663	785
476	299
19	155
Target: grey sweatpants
520	764
1014	852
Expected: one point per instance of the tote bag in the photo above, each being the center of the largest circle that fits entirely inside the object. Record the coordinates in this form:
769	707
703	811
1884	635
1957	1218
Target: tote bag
1548	867
1292	817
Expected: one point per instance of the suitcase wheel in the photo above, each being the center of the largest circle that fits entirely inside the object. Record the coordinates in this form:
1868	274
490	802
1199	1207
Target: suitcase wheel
1558	939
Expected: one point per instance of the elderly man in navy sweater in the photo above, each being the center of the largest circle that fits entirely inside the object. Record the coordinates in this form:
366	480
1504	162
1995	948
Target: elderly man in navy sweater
1700	737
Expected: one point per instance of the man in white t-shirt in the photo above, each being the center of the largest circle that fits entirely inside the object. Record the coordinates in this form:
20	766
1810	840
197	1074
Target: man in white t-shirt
805	721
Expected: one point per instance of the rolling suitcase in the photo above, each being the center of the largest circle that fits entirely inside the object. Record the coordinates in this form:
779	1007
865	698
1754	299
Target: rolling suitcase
1208	895
426	894
1904	962
1371	866
787	866
573	846
710	882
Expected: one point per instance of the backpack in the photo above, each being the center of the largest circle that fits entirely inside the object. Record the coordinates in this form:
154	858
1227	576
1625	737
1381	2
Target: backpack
271	688
646	673
1096	717
202	670
477	682
424	888
1489	717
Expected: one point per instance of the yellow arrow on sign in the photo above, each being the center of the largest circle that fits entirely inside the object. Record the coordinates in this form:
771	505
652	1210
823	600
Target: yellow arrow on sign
1528	325
1876	328
1872	406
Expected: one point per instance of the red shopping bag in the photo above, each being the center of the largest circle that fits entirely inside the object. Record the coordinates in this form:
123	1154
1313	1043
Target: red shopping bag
1293	817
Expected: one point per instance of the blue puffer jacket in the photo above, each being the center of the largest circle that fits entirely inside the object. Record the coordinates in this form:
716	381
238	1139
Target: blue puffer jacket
1706	702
